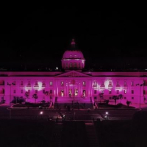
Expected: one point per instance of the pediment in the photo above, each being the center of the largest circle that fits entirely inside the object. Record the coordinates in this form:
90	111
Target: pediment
73	74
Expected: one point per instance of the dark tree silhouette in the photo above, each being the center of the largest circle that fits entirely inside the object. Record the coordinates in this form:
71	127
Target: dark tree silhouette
27	95
101	95
115	98
35	96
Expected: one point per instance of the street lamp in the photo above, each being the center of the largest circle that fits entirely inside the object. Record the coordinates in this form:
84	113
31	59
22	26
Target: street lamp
106	115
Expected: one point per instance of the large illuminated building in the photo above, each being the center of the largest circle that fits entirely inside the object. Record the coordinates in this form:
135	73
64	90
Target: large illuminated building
74	85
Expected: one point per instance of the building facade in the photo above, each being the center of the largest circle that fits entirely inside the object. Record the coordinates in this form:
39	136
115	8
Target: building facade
73	84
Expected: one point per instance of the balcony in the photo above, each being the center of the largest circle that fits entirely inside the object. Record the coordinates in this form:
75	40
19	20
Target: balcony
110	86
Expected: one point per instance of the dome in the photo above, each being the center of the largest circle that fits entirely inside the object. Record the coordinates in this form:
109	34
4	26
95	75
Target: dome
73	54
73	58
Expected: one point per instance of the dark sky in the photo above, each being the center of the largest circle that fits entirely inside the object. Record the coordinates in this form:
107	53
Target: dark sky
38	36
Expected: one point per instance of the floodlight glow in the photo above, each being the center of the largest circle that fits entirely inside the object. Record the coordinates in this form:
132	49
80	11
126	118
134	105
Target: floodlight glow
41	112
107	113
40	86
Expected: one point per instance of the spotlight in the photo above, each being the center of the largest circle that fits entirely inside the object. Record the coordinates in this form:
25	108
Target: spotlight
41	112
107	113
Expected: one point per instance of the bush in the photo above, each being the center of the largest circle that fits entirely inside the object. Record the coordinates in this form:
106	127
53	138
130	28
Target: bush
128	103
106	102
18	100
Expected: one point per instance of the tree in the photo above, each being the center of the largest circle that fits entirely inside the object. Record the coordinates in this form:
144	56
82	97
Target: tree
120	96
128	103
35	96
27	95
101	96
115	98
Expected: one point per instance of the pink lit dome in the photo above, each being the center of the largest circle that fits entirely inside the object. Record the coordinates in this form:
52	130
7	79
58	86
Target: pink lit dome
73	58
73	54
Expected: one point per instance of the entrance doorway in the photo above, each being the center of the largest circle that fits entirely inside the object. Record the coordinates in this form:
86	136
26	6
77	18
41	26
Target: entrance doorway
73	92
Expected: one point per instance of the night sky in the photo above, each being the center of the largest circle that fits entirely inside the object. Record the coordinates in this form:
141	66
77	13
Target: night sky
36	37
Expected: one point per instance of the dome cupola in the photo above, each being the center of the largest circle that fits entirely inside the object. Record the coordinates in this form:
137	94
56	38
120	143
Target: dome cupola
73	58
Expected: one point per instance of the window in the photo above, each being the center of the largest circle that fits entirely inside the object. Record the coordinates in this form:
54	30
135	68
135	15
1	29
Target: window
51	91
29	83
84	93
117	92
62	92
125	83
95	91
124	97
95	97
132	83
110	91
94	84
21	91
43	84
21	83
125	91
110	84
62	83
36	83
132	91
102	85
84	83
132	98
14	91
117	84
51	83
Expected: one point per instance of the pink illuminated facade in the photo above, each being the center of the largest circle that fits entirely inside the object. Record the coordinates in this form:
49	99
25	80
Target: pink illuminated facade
73	84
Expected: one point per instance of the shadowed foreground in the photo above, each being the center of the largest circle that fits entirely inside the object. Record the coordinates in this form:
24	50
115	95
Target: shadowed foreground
30	133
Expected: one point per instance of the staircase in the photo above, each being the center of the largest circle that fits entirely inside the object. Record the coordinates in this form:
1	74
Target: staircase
91	134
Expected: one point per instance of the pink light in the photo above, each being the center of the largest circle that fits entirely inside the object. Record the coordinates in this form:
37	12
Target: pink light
41	112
